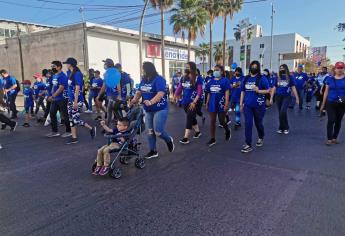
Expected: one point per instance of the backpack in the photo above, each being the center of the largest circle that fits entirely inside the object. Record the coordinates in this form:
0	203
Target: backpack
18	86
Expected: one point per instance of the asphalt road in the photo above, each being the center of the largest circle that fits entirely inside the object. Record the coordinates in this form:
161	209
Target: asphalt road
294	185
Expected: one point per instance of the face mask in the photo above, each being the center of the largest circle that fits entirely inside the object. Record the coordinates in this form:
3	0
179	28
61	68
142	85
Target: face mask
237	74
282	73
265	73
254	71
105	67
216	74
187	71
54	70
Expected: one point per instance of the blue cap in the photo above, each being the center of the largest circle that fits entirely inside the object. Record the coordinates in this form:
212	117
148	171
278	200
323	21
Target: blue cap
72	61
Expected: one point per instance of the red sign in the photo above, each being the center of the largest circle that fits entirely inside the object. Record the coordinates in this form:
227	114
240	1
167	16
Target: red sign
153	50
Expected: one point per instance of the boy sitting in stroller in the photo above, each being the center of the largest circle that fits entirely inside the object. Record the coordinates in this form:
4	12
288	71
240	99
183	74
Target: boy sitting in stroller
103	154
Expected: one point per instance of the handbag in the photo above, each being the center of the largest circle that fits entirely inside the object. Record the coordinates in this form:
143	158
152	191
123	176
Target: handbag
341	99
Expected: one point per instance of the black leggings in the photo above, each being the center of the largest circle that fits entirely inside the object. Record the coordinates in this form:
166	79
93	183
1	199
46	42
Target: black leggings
221	119
39	104
335	113
190	117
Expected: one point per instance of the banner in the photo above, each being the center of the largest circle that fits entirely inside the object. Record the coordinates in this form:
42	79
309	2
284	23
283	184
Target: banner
153	50
319	54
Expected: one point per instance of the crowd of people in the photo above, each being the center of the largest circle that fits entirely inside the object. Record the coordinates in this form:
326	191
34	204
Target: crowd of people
222	94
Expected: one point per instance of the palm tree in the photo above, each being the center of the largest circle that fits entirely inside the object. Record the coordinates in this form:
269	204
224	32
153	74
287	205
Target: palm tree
189	17
237	32
203	51
229	8
213	9
162	5
218	53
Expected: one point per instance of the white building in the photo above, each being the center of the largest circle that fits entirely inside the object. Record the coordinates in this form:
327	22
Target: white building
39	49
259	48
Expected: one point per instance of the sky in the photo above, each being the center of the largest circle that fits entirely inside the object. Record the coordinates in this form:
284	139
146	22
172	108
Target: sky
316	19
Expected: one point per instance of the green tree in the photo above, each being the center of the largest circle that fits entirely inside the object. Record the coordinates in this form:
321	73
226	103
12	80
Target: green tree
229	8
190	17
202	52
162	6
218	53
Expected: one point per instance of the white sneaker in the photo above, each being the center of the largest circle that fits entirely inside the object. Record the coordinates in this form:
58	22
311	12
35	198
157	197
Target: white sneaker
279	131
88	111
66	135
286	131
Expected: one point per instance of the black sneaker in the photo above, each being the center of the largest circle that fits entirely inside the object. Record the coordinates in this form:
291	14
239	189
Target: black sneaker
26	125
98	118
171	145
197	135
151	154
260	142
93	132
184	141
211	142
228	135
246	148
3	126
72	140
203	120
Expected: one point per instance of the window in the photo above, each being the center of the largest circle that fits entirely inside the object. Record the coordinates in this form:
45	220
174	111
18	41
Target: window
2	32
175	66
13	33
262	56
262	45
7	33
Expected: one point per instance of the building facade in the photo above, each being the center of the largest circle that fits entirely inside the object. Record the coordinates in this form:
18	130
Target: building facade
90	44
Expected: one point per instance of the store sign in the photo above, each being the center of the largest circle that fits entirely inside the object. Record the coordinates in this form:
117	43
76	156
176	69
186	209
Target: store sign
153	50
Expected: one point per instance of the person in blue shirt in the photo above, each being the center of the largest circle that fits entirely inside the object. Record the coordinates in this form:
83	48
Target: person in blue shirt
40	92
283	86
176	81
58	98
334	101
112	88
28	93
125	83
47	78
11	90
2	93
310	90
191	89
235	84
95	87
76	100
208	77
218	90
301	79
253	90
152	90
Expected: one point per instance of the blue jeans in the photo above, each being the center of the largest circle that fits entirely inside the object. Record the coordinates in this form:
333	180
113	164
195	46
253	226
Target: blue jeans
257	114
155	122
92	96
283	103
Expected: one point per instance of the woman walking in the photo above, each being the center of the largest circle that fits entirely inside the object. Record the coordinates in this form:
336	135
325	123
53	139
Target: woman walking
282	88
152	90
76	100
217	102
190	87
334	100
252	102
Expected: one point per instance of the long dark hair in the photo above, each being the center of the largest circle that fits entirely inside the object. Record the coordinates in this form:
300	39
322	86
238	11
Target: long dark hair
286	68
193	72
75	69
150	71
258	65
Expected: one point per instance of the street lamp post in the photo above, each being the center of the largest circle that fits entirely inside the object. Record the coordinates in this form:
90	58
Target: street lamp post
141	37
271	52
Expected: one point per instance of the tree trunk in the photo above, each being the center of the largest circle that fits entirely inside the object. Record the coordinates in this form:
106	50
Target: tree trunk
203	64
224	41
189	44
162	42
210	55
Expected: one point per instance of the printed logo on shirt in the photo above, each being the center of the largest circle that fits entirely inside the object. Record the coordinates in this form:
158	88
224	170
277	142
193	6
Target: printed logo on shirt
299	77
146	88
250	86
283	83
215	88
260	101
94	85
186	85
69	82
55	82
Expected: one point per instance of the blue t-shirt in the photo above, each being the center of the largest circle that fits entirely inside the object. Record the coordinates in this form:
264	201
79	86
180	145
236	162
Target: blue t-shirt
73	81
189	92
216	90
9	82
125	80
28	97
251	98
57	80
96	85
2	83
283	87
149	90
300	79
236	92
112	79
175	82
49	85
39	86
336	88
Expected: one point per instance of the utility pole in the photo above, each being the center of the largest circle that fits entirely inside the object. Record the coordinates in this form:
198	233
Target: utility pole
141	38
85	52
163	43
271	52
20	53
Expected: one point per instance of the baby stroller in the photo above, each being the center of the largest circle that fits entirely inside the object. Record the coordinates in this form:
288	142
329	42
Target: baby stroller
130	148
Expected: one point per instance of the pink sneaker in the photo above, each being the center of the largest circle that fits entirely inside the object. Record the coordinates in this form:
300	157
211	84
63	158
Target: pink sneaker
97	170
104	171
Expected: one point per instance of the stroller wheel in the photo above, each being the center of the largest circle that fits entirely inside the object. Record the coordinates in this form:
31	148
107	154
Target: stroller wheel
123	160
115	173
140	163
93	167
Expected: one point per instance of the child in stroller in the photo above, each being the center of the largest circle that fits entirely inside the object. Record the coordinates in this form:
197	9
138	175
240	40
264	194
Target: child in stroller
123	141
